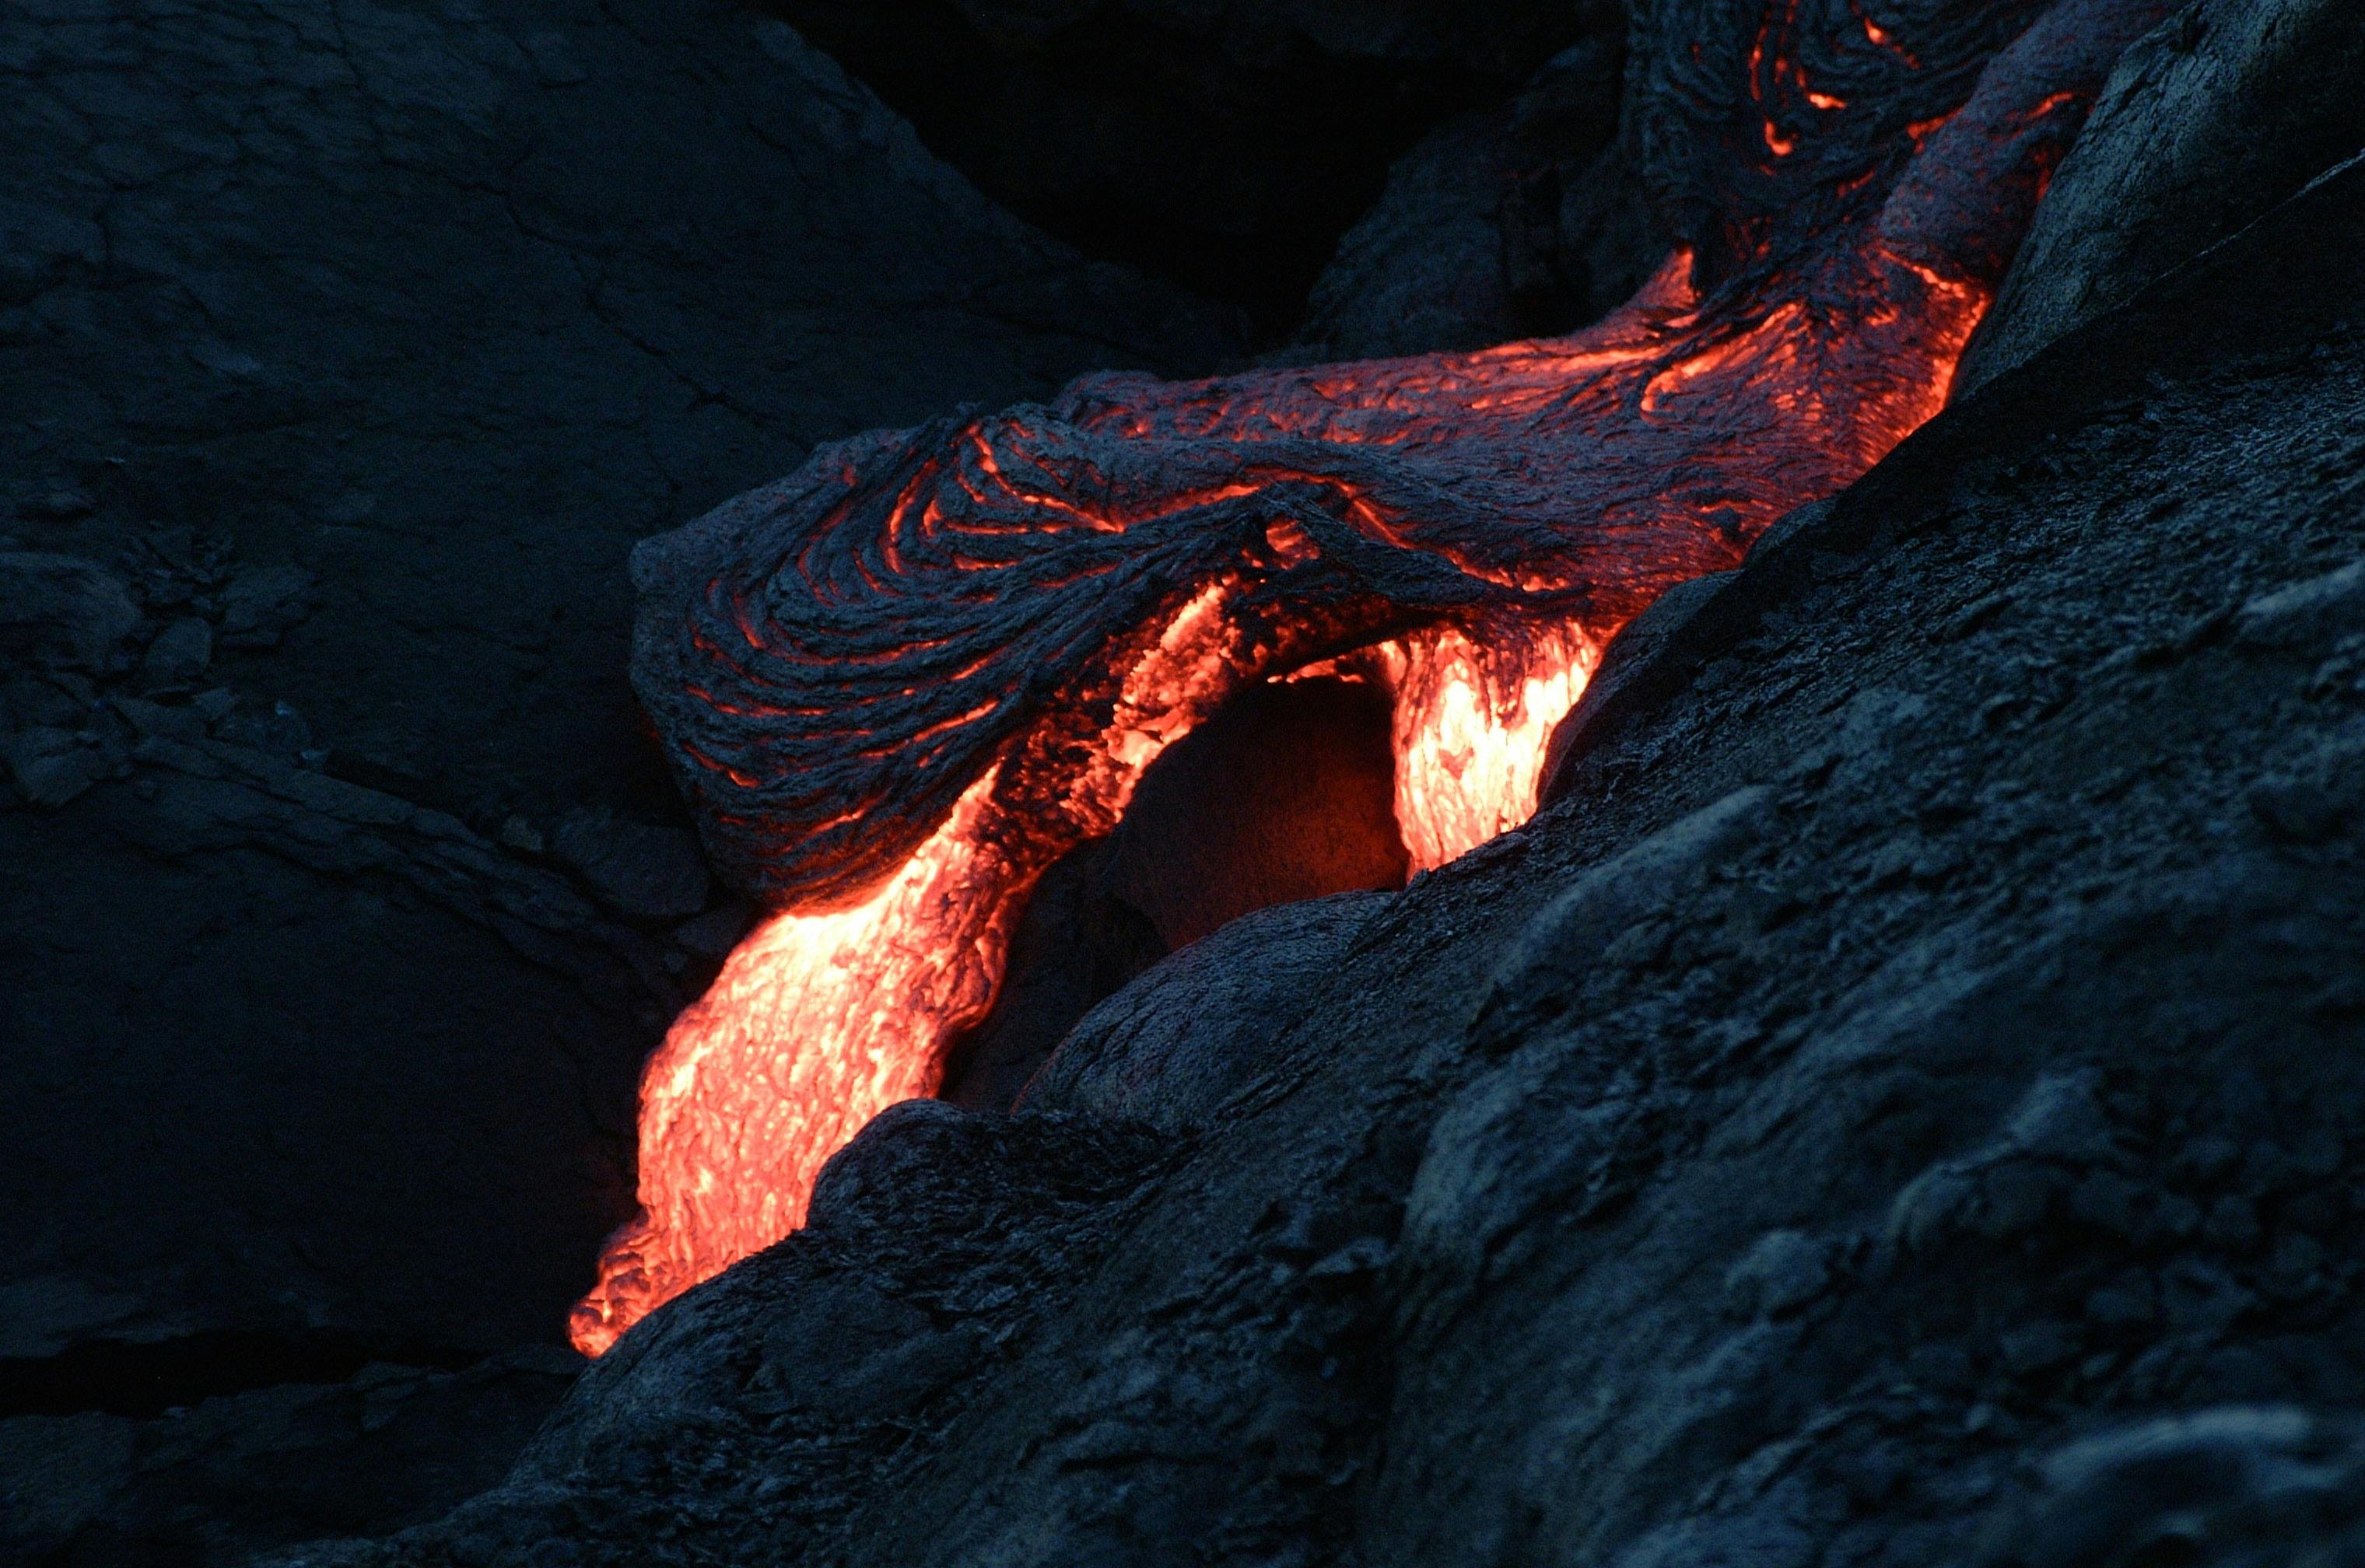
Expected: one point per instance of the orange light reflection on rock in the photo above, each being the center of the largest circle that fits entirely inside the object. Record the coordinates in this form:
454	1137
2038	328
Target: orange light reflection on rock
820	1021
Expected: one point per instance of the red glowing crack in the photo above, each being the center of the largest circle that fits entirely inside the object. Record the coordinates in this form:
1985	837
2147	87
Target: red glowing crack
899	684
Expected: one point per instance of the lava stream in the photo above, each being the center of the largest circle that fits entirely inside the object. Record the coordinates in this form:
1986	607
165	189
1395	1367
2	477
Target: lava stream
1471	725
820	1021
900	683
816	1023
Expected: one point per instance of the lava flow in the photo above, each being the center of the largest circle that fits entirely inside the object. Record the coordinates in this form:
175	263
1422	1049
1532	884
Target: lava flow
900	683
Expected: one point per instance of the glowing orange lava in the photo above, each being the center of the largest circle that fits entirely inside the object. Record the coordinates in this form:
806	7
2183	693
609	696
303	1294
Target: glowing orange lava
820	1021
816	1023
1472	721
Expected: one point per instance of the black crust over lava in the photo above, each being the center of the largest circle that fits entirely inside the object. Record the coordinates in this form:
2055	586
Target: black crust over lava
836	658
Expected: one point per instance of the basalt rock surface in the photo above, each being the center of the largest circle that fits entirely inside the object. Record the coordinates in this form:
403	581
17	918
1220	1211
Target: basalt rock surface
344	352
2204	126
1898	1104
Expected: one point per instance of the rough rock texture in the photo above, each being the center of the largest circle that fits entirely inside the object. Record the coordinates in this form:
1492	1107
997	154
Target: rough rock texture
2206	125
344	352
1169	1051
1898	1104
436	303
1076	943
241	1024
1225	144
2250	1485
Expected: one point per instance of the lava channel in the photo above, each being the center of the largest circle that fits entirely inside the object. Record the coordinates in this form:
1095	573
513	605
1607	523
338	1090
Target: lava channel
900	683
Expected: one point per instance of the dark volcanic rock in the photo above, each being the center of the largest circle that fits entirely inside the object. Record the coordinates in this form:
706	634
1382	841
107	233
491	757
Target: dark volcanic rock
292	1055
2206	124
1423	269
1172	1048
59	611
1019	1206
1075	944
1905	1080
644	871
178	656
448	308
262	604
2256	1485
344	352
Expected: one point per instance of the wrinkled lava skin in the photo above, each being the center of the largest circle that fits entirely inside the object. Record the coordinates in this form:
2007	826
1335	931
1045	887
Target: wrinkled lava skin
899	683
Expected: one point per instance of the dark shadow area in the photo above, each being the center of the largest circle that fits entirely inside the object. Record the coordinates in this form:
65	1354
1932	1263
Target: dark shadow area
208	1450
344	354
1226	148
126	1378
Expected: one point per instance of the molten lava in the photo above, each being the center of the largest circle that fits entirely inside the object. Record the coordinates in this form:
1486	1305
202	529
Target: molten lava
902	682
820	1021
816	1023
1471	723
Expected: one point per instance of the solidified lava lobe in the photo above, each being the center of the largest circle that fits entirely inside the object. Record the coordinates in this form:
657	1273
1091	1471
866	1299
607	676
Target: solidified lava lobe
900	683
